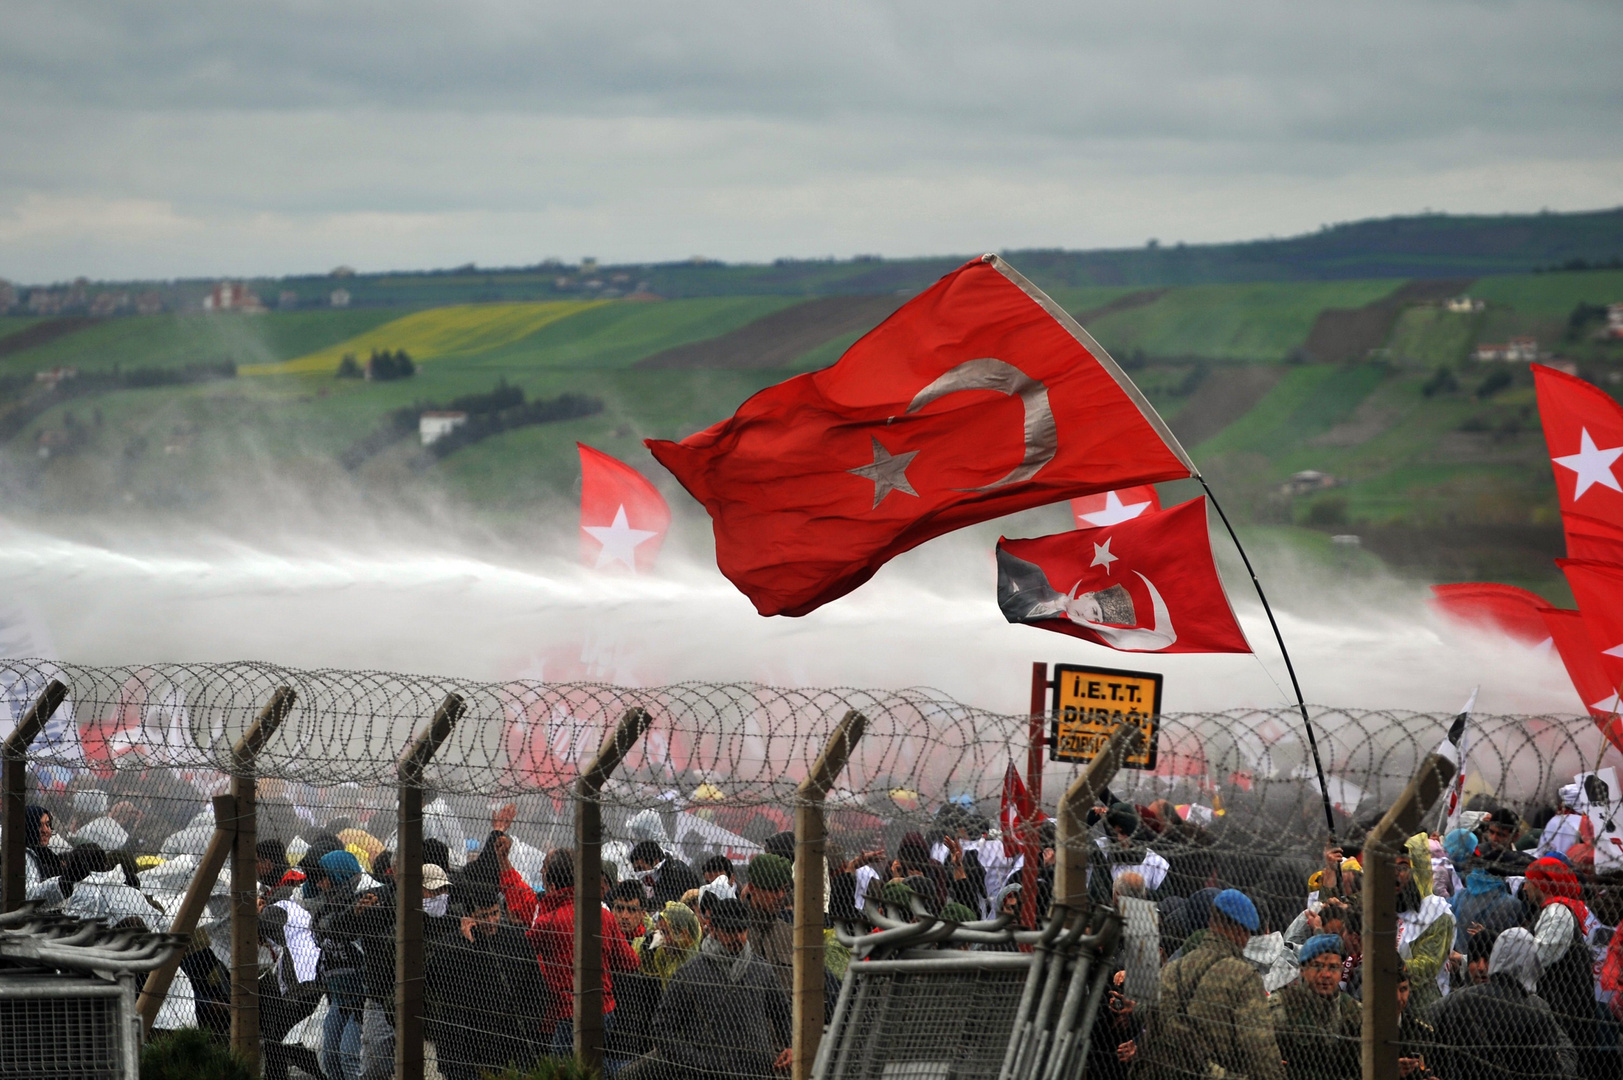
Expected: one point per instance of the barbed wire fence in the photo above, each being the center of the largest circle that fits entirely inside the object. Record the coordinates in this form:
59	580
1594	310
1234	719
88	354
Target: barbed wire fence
264	805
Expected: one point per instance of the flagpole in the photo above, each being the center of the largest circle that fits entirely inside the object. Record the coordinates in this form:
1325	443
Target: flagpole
1312	741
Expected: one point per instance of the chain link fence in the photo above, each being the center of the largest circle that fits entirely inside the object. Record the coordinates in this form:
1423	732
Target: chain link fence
698	867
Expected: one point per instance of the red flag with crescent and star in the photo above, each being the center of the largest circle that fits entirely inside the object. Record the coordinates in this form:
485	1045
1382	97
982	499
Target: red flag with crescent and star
1145	585
977	398
623	517
1583	429
1114	507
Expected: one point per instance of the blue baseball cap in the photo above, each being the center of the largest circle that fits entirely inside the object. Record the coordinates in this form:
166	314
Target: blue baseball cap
1238	907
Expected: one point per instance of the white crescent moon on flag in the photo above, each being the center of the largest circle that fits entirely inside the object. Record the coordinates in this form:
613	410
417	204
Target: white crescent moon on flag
1139	638
1042	434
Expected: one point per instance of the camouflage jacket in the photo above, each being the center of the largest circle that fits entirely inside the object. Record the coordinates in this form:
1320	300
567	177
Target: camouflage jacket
1320	1037
1212	1020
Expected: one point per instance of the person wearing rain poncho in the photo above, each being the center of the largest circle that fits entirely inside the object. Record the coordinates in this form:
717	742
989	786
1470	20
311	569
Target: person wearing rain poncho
674	942
42	867
1425	925
1484	905
1502	1028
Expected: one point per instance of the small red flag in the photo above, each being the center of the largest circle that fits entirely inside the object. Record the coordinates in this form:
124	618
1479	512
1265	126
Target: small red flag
978	398
1586	670
1485	604
623	517
1114	507
1146	585
1583	429
1593	539
1016	811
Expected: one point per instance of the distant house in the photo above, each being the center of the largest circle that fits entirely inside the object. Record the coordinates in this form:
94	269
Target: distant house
109	303
1462	305
1308	481
1518	350
289	299
52	376
434	426
8	295
148	303
1614	321
232	296
339	298
45	302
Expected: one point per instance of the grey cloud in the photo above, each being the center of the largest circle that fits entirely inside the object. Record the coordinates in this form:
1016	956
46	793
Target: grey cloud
199	137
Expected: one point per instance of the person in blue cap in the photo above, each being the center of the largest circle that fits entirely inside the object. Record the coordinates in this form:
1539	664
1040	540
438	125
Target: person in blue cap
1319	1026
1213	1018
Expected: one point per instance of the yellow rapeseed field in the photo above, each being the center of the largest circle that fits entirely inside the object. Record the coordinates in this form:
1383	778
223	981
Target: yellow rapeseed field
426	335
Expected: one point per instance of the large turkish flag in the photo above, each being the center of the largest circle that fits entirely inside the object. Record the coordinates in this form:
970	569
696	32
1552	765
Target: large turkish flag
979	397
1583	429
1145	585
623	517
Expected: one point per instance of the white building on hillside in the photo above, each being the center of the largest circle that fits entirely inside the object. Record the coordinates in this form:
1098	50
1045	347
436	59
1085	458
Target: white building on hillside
434	426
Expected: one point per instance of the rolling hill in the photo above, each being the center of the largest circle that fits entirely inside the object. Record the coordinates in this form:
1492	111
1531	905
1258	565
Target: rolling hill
1435	459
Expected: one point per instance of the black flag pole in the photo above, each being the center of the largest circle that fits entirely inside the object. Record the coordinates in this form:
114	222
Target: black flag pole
1312	741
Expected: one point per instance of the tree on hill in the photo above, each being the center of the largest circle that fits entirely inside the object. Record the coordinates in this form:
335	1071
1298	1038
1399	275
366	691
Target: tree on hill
384	365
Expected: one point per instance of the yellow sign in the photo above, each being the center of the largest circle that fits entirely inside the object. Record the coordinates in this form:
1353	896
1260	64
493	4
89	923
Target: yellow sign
1090	702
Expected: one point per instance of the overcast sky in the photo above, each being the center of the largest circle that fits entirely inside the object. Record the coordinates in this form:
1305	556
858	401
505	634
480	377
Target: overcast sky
200	138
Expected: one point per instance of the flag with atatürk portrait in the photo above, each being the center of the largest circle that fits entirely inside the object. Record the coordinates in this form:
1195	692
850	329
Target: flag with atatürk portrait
1147	584
977	398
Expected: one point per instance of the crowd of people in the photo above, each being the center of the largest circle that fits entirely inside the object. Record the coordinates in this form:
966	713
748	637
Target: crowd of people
1251	966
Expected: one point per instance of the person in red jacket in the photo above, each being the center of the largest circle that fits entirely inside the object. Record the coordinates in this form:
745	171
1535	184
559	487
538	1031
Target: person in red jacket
552	934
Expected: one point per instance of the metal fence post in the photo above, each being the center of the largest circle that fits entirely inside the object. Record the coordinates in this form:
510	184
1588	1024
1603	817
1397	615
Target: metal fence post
810	843
409	1008
191	907
1381	964
14	794
1071	824
245	878
589	885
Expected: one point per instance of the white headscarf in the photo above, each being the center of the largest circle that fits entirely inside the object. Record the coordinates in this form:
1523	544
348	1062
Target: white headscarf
1515	953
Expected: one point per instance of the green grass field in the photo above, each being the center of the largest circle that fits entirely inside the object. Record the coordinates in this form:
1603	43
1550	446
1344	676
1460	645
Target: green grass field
1256	323
179	340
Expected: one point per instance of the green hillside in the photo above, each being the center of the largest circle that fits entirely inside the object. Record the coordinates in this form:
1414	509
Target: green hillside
181	413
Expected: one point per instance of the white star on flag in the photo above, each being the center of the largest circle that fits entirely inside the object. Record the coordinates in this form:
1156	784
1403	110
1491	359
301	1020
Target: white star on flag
1610	705
1592	464
1114	512
1102	556
619	540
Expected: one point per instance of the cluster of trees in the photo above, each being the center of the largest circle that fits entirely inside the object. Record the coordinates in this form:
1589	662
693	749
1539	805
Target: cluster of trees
22	397
499	409
381	366
1583	318
523	414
